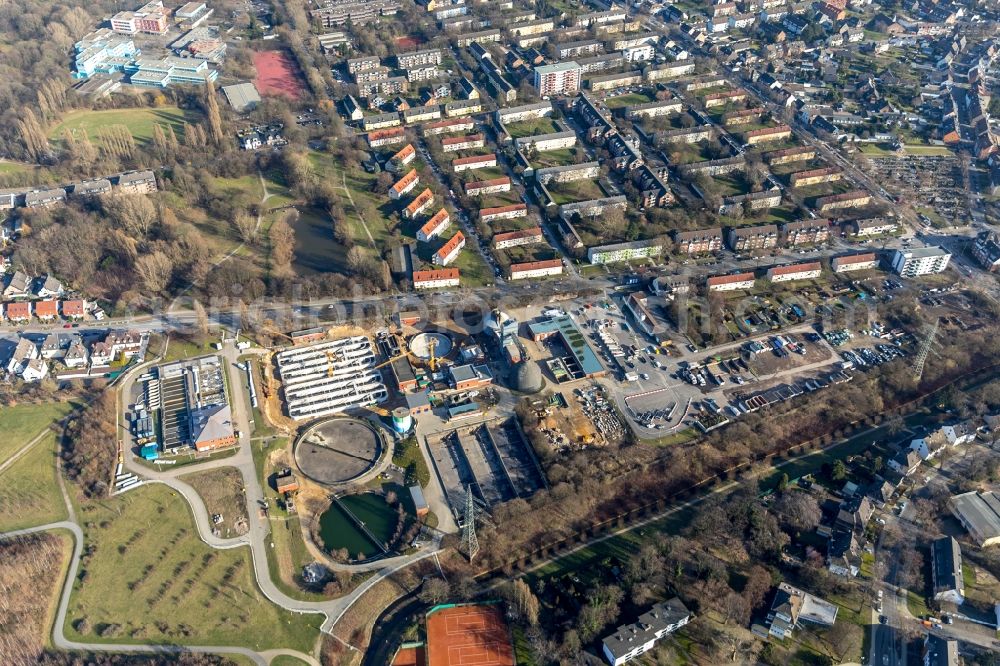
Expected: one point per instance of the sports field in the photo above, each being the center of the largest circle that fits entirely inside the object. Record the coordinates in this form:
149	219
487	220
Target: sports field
468	636
140	122
277	74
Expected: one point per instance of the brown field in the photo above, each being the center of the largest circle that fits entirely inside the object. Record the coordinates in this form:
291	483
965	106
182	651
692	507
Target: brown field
31	571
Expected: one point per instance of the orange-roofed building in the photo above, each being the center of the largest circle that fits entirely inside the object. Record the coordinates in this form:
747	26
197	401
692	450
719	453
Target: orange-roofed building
450	250
404	184
435	226
46	310
19	312
805	271
423	201
433	279
74	309
730	282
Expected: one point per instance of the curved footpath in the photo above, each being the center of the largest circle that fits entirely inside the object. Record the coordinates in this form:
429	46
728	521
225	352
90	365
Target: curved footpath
256	539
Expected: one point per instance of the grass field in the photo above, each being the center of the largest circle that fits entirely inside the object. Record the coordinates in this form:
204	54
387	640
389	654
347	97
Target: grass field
576	190
150	579
532	127
286	660
222	491
551	158
140	122
29	490
19	424
630	99
14	167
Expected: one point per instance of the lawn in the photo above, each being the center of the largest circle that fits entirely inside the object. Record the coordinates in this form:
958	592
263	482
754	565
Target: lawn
551	158
7	167
927	151
406	454
286	660
222	492
576	190
532	127
21	423
140	122
359	184
630	99
29	489
150	579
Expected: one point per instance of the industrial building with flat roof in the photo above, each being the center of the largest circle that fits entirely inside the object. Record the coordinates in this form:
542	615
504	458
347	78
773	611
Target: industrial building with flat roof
330	377
573	340
979	514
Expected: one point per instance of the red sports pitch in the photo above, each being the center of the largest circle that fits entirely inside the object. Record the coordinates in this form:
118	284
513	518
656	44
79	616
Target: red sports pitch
468	636
277	74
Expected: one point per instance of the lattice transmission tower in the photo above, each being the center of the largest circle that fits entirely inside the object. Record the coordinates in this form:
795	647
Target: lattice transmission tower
925	349
470	542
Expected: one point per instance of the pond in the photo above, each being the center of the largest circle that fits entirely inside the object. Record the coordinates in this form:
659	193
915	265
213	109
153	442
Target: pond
338	529
315	249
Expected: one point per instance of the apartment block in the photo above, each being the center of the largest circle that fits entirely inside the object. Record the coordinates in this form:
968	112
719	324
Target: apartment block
503	212
806	232
435	226
804	271
436	279
815	176
453	144
760	237
733	282
698	242
920	261
559	79
852	199
854	262
491	186
450	250
404	185
422	202
536	269
515	238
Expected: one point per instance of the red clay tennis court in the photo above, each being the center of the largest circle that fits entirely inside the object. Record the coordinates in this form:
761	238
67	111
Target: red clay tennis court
468	636
276	74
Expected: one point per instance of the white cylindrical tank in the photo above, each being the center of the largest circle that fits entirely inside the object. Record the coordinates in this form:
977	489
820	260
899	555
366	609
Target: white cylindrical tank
402	421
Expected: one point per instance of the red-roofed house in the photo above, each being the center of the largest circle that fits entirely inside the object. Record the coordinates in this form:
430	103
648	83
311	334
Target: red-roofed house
854	262
19	312
46	310
434	226
731	282
533	269
806	271
503	212
443	277
74	309
514	238
475	162
488	186
449	251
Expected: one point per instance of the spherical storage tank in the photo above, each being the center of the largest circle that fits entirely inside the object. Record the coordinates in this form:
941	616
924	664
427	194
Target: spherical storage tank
402	421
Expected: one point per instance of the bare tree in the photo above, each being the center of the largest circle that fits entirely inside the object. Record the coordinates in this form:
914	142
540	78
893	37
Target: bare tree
155	271
246	226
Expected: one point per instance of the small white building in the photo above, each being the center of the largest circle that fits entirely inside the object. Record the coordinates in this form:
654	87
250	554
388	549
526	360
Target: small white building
631	640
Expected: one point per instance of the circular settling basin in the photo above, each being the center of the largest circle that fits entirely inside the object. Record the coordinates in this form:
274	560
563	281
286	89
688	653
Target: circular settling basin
338	450
360	523
422	343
